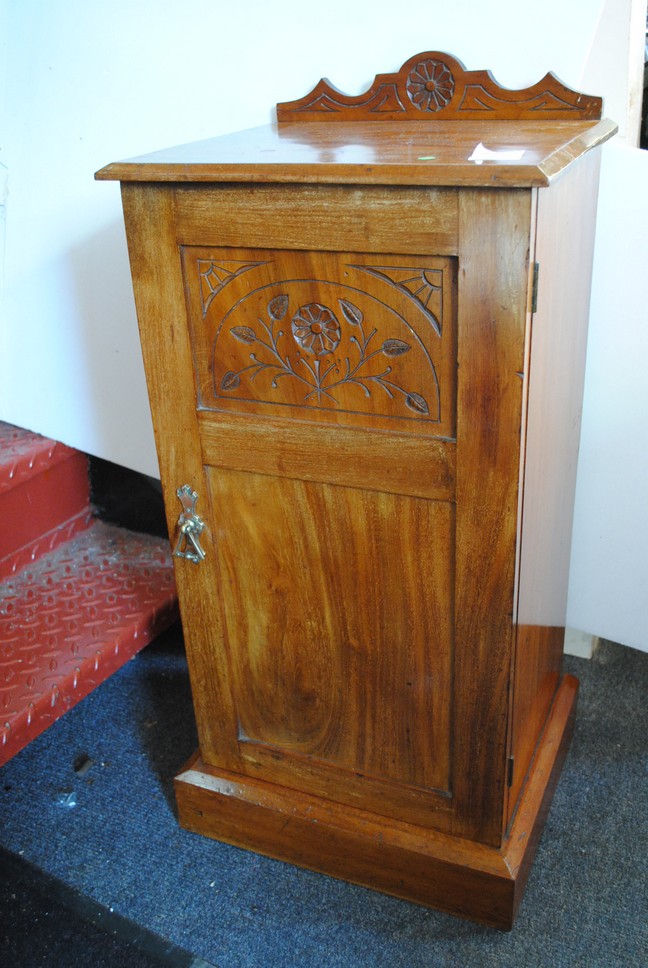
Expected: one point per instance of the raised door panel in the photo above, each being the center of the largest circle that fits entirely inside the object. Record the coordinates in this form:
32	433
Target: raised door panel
340	635
345	338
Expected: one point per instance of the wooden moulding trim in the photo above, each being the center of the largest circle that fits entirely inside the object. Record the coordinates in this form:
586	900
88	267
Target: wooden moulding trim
423	175
352	458
344	842
435	86
265	160
557	162
432	868
544	773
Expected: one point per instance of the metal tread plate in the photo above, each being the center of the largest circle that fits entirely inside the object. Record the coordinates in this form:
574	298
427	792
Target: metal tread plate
72	619
24	454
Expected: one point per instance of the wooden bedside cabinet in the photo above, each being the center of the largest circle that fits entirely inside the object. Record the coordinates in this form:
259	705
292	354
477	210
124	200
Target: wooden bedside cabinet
364	336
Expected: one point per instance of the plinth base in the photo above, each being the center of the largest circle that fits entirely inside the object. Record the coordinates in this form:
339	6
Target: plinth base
455	875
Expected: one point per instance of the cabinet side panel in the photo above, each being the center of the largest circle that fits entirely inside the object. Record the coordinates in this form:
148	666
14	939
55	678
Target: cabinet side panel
495	232
565	238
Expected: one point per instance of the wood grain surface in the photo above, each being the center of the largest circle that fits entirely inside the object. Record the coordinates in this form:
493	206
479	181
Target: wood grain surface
345	363
341	635
344	338
395	153
393	463
369	219
558	337
461	877
433	86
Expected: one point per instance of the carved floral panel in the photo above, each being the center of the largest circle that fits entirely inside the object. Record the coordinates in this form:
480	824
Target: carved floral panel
342	337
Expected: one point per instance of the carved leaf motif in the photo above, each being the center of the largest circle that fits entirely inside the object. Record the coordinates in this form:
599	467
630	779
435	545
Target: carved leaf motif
278	307
244	333
231	381
351	313
395	347
317	331
416	402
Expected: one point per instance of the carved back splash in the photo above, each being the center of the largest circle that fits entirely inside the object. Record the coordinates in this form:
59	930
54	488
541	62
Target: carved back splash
436	86
348	338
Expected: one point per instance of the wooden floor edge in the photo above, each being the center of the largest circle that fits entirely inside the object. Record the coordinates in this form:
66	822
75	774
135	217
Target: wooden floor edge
425	866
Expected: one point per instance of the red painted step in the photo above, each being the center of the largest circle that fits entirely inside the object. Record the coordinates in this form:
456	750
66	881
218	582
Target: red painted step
78	597
44	496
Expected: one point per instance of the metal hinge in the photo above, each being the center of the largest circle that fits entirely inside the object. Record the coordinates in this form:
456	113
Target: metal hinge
510	768
534	287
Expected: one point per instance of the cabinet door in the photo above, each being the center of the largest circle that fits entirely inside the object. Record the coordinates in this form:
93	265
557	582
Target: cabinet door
354	440
327	396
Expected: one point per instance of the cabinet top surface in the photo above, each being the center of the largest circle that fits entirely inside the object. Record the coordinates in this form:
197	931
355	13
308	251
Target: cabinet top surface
430	123
437	153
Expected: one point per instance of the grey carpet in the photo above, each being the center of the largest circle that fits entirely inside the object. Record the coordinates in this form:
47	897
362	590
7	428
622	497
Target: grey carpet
110	832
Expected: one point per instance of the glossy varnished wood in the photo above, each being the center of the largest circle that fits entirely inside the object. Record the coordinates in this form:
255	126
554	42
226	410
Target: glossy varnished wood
402	464
434	86
344	338
159	295
345	363
558	336
494	271
370	153
459	876
341	637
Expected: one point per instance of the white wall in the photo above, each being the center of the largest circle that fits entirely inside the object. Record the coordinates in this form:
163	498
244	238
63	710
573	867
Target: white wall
614	65
89	83
608	589
608	592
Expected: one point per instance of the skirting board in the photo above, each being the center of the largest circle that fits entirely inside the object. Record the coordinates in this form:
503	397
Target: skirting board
458	876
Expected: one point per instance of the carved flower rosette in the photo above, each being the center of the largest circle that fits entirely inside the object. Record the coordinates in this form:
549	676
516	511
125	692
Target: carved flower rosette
430	85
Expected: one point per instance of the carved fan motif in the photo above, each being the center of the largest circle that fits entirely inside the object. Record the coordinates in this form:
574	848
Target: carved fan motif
424	286
214	277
